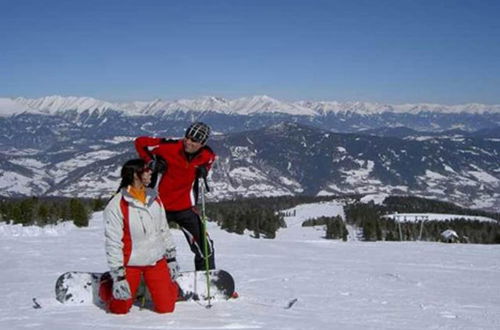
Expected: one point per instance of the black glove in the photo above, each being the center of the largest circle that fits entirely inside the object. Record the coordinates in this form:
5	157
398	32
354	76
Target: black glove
201	172
157	164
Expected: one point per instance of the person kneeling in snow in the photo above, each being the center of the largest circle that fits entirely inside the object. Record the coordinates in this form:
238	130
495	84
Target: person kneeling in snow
138	242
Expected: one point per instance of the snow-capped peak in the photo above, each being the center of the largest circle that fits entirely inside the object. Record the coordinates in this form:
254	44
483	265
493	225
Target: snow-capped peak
56	104
242	106
266	104
9	107
325	107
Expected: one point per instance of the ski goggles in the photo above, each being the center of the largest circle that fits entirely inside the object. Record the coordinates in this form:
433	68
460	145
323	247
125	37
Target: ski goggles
195	139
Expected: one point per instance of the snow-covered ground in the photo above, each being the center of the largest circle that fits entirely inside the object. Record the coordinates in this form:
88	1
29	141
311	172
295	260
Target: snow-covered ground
297	215
338	285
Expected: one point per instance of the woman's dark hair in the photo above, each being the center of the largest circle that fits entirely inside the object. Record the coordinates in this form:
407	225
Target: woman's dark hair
129	168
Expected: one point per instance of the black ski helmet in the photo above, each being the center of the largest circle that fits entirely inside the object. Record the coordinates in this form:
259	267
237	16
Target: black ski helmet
198	132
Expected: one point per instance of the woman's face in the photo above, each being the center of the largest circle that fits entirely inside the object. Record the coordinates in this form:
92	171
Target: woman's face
145	176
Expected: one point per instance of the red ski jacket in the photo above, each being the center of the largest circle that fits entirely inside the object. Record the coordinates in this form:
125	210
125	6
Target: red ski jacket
176	186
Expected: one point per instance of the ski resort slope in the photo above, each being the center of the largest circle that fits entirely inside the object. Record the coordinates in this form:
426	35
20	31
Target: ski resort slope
337	285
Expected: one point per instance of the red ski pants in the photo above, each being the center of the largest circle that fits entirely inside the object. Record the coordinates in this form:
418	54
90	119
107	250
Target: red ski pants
163	290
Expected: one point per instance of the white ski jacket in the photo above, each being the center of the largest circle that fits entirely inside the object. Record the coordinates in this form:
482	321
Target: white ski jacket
136	234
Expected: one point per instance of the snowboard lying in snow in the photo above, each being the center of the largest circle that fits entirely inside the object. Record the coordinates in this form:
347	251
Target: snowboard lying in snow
83	287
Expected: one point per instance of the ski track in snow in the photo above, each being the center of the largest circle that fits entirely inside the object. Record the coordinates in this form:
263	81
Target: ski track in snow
338	285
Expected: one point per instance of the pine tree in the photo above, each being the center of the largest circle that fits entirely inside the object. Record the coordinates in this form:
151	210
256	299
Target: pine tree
98	204
17	214
78	213
43	214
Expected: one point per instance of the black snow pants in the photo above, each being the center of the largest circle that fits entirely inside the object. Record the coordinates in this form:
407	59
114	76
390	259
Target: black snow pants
191	225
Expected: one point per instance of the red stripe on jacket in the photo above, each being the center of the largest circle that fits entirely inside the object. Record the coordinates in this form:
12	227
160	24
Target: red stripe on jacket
127	239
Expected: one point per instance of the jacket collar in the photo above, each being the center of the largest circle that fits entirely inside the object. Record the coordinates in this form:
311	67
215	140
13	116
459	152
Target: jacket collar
151	196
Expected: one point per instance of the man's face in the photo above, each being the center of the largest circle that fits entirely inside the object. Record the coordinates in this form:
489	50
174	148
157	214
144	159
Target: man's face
190	146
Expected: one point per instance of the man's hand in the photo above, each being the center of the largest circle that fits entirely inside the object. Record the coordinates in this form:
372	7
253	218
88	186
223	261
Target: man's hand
157	164
201	172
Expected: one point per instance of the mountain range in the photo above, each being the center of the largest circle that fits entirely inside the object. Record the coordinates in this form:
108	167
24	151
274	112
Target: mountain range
241	106
227	116
79	153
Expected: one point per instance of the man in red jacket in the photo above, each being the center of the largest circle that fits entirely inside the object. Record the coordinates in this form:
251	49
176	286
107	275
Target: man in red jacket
180	164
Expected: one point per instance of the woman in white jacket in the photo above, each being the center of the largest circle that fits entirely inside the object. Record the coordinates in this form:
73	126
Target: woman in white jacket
139	242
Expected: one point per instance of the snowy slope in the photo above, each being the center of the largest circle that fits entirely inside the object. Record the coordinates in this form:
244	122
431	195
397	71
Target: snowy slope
303	212
339	285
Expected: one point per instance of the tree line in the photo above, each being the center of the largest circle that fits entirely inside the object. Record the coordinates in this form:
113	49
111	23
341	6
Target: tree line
410	204
48	210
335	227
263	217
375	227
259	216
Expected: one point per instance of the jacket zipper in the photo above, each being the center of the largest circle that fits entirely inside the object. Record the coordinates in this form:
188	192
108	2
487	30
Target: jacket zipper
142	221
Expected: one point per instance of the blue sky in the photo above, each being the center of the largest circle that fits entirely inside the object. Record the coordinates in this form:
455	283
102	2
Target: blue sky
384	51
